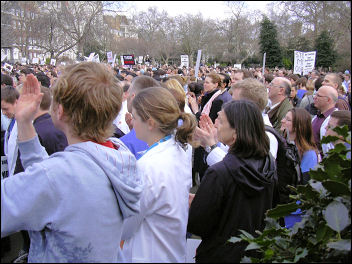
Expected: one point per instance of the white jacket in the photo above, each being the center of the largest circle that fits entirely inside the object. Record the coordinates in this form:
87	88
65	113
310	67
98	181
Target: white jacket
162	223
11	149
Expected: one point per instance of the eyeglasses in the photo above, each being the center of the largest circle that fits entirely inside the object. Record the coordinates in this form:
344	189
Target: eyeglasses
273	85
318	95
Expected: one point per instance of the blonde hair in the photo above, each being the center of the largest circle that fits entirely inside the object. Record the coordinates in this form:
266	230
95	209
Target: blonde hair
160	105
91	98
175	85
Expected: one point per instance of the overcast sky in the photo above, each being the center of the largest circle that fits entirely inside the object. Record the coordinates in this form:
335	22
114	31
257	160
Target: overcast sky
208	9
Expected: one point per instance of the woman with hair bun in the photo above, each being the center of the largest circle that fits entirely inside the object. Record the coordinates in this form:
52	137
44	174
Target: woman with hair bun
158	233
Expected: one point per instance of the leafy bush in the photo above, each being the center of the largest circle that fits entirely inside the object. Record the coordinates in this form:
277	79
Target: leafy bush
324	234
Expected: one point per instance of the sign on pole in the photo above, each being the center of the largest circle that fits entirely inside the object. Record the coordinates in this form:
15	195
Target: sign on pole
199	55
24	61
109	56
35	60
238	66
264	58
53	62
140	59
184	61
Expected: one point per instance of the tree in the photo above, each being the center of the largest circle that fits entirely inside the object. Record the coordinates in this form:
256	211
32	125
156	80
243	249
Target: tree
326	55
269	43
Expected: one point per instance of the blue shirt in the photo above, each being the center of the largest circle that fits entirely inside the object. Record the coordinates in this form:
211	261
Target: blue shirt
309	160
135	145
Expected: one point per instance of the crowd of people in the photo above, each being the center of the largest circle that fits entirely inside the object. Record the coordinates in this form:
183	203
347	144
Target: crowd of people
101	160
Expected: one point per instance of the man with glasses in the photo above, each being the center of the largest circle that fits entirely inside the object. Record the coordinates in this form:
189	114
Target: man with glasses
279	92
324	100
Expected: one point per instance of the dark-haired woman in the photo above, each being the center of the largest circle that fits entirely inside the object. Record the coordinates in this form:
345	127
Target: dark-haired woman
236	192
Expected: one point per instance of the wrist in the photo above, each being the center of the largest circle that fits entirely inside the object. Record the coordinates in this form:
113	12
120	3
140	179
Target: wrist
208	149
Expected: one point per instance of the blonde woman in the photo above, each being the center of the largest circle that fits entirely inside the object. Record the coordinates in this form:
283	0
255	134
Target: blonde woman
158	233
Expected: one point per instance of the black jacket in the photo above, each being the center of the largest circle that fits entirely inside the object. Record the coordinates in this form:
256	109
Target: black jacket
234	194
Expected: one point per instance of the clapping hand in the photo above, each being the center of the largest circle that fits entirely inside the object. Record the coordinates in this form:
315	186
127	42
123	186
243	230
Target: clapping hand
206	133
29	101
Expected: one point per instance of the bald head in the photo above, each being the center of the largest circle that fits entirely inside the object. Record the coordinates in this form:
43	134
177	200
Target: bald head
325	98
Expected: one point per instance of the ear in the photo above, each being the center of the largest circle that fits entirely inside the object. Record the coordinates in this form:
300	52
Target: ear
234	137
151	124
60	112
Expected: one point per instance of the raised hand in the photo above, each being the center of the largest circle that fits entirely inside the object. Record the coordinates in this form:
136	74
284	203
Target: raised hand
29	101
207	125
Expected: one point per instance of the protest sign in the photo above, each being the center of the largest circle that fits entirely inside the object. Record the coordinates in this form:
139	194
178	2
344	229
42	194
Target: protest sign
109	56
309	62
53	62
24	61
140	59
35	60
238	66
128	59
184	61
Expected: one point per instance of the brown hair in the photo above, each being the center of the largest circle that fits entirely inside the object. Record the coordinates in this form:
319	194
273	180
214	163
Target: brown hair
215	78
9	94
254	90
301	125
246	119
343	118
46	99
160	105
91	98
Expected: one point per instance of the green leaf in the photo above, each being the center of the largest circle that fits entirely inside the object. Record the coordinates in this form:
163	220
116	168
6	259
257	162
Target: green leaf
234	240
308	192
344	244
336	188
252	245
336	216
304	252
246	234
328	139
282	210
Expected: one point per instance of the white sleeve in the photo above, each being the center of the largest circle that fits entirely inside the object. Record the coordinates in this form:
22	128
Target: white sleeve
31	152
216	155
273	144
28	201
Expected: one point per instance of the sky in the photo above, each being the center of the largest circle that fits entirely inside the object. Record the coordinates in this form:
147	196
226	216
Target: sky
208	9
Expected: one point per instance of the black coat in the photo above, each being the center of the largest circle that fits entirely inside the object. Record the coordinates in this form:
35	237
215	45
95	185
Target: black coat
234	194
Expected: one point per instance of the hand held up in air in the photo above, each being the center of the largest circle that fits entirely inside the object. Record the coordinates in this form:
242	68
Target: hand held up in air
29	100
26	108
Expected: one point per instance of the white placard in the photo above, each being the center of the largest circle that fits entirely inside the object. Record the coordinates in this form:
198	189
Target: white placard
96	58
91	56
184	61
8	67
298	62
140	59
24	61
42	62
199	55
122	60
309	62
35	60
109	55
63	63
53	62
15	54
238	66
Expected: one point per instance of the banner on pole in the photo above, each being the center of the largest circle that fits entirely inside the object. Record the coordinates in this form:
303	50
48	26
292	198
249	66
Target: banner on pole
109	56
199	55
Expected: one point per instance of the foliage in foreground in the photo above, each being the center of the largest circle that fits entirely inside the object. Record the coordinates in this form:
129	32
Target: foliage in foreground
324	234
